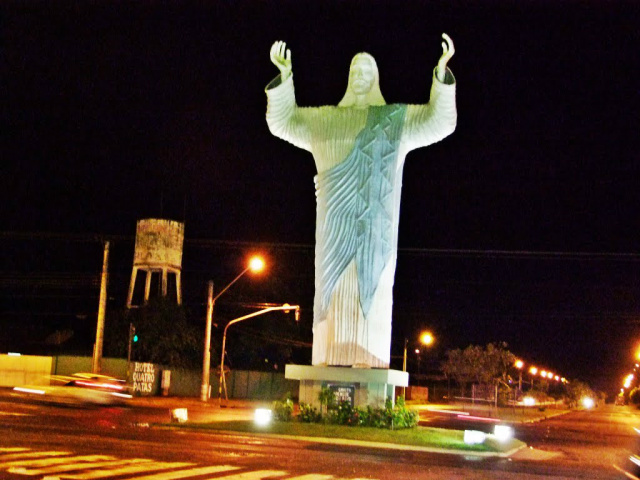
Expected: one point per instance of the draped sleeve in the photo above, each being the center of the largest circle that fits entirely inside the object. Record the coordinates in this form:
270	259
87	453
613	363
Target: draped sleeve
430	123
285	119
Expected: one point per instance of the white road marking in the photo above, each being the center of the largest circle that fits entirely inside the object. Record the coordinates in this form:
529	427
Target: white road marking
56	461
133	465
56	465
69	468
188	473
313	476
29	454
255	475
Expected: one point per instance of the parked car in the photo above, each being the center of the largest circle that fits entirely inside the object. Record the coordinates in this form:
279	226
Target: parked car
78	389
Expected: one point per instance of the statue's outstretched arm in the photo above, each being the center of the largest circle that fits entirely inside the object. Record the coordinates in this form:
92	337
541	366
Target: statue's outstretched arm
447	52
281	58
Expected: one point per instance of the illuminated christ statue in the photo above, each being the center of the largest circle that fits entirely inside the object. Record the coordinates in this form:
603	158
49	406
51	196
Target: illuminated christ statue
359	148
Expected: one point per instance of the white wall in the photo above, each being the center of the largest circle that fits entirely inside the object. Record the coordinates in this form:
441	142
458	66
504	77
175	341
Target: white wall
24	370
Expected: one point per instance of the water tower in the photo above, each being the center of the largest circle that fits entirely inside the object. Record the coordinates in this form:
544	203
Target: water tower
158	253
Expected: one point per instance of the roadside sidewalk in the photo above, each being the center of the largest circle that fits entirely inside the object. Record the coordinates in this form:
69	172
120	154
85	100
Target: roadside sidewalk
201	412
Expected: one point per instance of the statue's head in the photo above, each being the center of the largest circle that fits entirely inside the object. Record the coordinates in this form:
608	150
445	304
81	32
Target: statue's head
364	87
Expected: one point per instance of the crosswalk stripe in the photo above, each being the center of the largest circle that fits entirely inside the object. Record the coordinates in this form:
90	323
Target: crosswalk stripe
62	464
255	475
69	468
188	473
18	456
312	476
56	461
136	465
24	461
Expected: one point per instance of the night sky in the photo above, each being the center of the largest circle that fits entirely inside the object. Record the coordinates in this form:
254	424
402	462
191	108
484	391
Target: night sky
520	227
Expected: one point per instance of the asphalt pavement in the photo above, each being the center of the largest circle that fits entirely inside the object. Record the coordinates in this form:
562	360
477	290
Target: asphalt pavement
172	410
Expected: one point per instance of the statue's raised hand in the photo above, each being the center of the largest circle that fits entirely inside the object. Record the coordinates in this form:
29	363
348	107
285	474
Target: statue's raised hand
447	52
281	58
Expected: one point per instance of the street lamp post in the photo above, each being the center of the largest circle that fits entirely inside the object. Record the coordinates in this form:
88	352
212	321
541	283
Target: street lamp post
404	367
533	371
222	380
256	264
96	363
519	365
427	339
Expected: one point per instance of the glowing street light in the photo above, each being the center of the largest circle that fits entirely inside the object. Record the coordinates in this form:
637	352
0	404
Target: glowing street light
256	264
519	365
533	371
426	338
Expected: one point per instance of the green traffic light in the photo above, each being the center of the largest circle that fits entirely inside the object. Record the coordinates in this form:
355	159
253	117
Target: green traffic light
135	338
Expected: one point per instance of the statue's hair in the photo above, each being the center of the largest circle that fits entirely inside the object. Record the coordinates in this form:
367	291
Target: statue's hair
374	97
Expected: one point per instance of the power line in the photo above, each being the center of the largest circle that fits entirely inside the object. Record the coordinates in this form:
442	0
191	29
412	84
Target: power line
412	251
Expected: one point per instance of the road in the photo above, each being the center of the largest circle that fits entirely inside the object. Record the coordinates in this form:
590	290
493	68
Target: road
42	442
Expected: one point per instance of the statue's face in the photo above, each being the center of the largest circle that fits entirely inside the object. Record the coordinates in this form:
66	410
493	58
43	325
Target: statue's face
361	76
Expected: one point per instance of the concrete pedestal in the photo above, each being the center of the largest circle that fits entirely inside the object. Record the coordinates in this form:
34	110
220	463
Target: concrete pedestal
361	386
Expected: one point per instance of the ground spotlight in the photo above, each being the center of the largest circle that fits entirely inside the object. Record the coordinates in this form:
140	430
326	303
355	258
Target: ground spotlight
262	416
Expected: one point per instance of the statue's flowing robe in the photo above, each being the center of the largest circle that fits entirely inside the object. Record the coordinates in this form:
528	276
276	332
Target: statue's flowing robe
359	154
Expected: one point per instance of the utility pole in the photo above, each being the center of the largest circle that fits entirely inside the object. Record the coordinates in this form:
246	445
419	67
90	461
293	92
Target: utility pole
132	332
206	358
102	307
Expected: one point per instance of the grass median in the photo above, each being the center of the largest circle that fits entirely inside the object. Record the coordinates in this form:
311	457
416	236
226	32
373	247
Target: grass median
427	437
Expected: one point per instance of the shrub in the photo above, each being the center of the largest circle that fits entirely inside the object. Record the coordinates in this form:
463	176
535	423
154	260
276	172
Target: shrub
309	414
283	411
400	416
327	398
344	414
391	417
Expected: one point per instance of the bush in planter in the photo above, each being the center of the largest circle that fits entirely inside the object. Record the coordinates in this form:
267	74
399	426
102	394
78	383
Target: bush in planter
283	411
309	414
400	416
345	414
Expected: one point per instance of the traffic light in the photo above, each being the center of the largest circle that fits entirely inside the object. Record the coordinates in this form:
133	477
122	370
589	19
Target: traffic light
135	338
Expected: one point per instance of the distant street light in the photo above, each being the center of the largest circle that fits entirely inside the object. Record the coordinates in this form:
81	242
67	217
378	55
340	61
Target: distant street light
533	371
519	365
222	380
426	338
256	264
